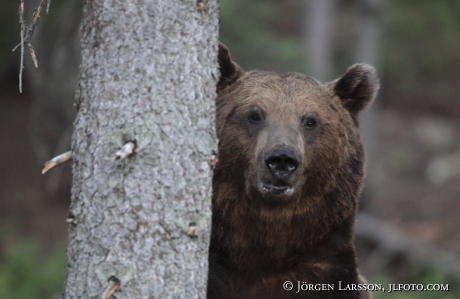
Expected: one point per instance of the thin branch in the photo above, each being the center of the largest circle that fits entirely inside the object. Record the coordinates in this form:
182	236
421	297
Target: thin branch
32	54
56	161
26	34
23	29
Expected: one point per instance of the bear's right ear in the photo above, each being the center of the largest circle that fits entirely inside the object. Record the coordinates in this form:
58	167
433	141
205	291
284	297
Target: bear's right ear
357	87
229	71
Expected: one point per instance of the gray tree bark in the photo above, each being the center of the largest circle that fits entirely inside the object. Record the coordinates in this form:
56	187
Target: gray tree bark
148	74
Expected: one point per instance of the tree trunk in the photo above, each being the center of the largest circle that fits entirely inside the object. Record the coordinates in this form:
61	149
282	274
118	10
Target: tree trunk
320	37
148	75
370	27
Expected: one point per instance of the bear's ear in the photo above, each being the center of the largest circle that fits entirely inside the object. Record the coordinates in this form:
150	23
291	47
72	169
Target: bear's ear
357	87
229	71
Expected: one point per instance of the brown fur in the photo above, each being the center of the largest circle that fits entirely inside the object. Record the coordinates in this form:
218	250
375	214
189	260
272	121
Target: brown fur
261	239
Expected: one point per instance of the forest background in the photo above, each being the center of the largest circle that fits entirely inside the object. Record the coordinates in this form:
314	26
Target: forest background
408	231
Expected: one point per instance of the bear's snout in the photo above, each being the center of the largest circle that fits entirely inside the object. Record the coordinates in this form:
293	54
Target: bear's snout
279	153
277	175
281	163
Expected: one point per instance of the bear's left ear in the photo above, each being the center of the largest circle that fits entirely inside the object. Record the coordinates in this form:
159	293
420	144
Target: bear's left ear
229	70
357	87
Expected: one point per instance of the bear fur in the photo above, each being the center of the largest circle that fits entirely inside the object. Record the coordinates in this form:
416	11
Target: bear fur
286	185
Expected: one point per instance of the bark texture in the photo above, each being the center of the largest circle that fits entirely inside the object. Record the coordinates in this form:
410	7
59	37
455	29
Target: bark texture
148	75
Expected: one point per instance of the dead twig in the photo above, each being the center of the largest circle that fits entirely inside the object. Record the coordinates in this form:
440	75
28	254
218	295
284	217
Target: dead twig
125	151
200	4
192	229
114	284
214	160
23	29
26	34
56	161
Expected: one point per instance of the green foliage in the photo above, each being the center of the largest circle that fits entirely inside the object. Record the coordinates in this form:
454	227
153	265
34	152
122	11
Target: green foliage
422	39
26	273
264	34
420	57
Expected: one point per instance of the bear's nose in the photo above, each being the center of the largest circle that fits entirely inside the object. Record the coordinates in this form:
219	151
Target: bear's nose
281	163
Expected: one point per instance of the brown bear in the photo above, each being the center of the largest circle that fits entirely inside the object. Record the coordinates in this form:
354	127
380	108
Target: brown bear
286	185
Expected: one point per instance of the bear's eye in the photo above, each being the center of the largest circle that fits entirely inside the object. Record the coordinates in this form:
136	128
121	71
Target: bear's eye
309	123
255	117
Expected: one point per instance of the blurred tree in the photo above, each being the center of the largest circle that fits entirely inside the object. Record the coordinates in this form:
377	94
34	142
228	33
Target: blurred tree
148	75
370	27
323	26
319	39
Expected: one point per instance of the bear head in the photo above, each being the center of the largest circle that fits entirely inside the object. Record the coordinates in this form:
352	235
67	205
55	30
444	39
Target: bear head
289	144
